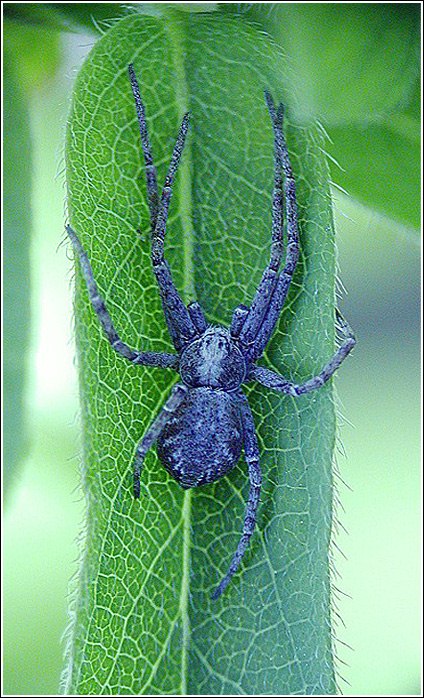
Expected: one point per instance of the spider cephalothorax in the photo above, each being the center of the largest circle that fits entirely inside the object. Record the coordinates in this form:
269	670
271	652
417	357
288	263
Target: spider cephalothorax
206	421
214	360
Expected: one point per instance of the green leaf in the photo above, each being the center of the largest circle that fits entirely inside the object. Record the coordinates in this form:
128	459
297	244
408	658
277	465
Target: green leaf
59	16
35	53
381	165
143	620
16	229
33	15
356	67
350	62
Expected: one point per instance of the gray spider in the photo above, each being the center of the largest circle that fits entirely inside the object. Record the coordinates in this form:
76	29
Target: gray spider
207	419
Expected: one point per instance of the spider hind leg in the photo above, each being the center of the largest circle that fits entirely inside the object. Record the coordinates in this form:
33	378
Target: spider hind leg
177	396
251	450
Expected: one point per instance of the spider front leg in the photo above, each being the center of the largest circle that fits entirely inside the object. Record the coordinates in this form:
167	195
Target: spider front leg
251	452
171	405
273	380
281	289
180	325
254	317
145	358
151	179
197	316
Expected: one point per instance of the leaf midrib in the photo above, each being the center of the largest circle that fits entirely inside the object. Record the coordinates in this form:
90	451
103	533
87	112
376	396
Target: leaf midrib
176	30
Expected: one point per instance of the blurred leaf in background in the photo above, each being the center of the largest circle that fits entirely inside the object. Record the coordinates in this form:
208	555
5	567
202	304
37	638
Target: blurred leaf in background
356	68
30	58
34	50
64	16
16	230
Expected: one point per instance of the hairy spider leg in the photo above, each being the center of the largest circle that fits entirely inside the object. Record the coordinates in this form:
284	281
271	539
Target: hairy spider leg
267	284
239	316
251	452
180	325
151	177
171	405
197	316
273	380
292	253
179	321
145	358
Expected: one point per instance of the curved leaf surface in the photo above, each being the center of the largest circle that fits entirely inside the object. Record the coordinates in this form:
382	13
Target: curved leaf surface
143	620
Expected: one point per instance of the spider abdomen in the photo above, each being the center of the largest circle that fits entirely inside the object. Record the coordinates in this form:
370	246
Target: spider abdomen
202	441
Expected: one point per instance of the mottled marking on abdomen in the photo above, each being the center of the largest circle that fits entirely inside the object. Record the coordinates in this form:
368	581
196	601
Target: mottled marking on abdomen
203	440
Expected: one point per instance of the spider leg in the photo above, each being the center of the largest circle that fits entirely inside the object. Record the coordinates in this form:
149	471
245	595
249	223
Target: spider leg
197	316
145	358
270	379
151	178
267	284
171	405
251	450
237	322
292	254
180	325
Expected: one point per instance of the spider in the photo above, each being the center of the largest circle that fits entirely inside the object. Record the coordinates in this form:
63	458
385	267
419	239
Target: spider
206	420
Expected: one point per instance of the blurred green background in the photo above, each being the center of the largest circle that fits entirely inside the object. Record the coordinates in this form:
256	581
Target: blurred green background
378	388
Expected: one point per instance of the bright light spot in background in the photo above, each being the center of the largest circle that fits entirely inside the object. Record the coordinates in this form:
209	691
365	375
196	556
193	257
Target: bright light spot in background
45	511
54	374
380	390
54	366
